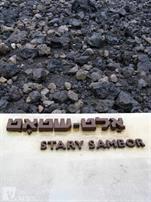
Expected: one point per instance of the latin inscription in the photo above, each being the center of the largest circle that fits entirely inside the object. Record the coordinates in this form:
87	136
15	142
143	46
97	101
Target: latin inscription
92	145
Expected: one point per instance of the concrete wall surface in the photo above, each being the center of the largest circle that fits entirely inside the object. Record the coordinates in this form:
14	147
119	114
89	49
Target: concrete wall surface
28	174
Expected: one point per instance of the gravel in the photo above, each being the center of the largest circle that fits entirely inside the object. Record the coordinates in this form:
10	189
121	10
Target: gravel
4	49
33	97
79	56
96	40
81	74
126	101
72	95
39	74
60	96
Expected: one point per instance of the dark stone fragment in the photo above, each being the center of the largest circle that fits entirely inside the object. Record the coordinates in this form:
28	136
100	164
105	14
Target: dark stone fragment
34	97
75	23
96	40
54	21
88	109
14	94
38	38
55	65
82	60
3	104
128	71
112	40
4	49
32	109
9	14
18	36
19	107
84	5
98	64
148	50
104	106
27	53
112	66
125	101
72	108
149	102
51	108
8	70
39	74
3	91
60	96
105	90
144	63
56	43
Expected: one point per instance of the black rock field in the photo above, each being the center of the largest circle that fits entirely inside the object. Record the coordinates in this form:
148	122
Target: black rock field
75	56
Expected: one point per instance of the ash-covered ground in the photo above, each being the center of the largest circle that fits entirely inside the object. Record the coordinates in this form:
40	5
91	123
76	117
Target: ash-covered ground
80	56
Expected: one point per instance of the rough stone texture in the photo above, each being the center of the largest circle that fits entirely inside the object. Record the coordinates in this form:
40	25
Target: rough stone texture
60	96
72	95
102	48
4	49
125	101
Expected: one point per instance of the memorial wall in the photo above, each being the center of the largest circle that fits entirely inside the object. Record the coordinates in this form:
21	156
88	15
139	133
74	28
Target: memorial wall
75	101
87	163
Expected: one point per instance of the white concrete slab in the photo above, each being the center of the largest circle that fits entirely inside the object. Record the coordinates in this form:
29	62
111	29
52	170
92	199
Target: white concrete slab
28	174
